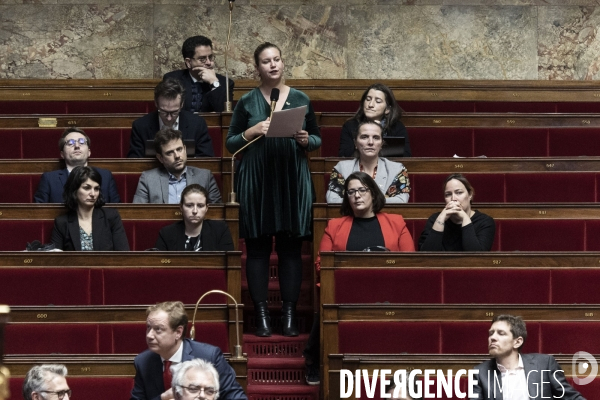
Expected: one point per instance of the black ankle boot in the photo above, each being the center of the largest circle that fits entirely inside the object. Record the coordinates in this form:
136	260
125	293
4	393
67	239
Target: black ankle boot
262	319
289	326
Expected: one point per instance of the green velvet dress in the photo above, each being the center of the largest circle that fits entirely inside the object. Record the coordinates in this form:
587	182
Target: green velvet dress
273	182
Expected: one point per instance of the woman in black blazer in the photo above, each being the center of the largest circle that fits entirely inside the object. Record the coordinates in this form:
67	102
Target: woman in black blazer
87	226
195	233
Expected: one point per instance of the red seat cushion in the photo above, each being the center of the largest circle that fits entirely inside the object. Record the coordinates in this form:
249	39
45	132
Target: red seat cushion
58	338
33	107
16	189
542	235
526	286
15	234
429	188
574	142
389	337
109	107
514	107
563	187
441	142
582	336
149	286
395	286
11	143
146	232
510	142
330	141
573	286
44	286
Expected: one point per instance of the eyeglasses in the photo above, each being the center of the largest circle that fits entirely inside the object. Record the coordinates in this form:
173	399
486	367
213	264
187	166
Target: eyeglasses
361	190
71	142
169	113
204	59
194	390
61	394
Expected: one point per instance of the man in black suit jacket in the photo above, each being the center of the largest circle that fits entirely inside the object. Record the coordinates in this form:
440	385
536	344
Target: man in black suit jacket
74	145
515	375
205	90
166	323
168	97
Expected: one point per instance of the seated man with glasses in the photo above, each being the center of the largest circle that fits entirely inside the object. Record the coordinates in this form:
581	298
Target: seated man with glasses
166	324
205	90
46	382
169	101
195	378
74	146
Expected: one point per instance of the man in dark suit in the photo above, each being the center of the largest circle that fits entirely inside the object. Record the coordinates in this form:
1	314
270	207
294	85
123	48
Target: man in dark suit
165	327
205	90
164	185
168	98
74	146
512	375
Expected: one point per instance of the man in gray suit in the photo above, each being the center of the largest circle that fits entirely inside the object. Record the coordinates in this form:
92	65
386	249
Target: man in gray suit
512	375
164	185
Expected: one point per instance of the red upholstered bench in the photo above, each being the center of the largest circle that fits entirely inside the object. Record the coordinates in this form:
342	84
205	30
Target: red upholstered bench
461	337
441	142
96	338
109	286
88	387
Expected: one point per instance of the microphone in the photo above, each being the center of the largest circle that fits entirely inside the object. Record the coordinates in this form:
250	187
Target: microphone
227	99
274	99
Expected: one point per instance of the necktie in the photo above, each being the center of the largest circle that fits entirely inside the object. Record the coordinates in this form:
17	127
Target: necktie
196	96
167	378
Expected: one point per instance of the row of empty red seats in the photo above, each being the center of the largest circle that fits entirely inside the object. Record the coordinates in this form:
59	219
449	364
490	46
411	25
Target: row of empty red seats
145	106
93	338
28	143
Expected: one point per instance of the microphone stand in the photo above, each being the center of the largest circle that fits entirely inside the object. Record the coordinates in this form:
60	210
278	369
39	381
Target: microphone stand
228	100
233	195
237	354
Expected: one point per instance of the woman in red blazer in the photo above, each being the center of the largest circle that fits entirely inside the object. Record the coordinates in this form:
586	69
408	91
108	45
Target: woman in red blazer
362	227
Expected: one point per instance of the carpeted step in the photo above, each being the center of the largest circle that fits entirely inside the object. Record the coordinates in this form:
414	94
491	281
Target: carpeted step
278	371
276	346
283	392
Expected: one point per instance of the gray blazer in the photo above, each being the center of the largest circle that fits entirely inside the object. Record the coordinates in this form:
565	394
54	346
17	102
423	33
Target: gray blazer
387	171
545	379
153	186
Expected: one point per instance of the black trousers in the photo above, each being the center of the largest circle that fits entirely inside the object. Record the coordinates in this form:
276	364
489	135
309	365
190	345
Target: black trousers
289	252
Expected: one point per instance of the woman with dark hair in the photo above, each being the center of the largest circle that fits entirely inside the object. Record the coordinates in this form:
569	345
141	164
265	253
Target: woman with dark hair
377	104
458	227
363	227
391	177
87	226
274	187
194	233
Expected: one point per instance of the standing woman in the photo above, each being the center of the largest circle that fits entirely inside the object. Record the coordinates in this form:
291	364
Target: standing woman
377	104
275	188
88	226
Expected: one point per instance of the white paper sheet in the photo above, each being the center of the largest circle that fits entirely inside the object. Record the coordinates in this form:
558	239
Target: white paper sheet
286	123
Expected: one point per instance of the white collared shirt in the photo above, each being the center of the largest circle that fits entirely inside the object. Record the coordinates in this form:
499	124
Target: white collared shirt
162	125
514	382
175	358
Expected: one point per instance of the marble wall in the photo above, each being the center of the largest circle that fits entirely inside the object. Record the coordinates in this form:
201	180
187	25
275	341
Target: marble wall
321	39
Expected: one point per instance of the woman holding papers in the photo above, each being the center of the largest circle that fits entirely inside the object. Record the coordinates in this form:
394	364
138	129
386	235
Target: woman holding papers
390	176
377	104
458	227
274	186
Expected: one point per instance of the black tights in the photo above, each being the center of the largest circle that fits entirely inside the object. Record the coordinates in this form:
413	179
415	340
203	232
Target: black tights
289	252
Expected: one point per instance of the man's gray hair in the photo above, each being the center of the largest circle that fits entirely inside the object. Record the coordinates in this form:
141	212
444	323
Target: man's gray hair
180	370
35	380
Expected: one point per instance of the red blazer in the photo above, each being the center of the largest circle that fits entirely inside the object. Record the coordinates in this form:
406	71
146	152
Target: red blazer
396	235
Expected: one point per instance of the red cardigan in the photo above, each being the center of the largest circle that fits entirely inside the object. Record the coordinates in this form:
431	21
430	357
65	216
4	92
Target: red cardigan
396	235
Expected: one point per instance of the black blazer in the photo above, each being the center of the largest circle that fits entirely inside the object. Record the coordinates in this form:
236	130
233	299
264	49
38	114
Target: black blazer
215	236
148	381
192	126
51	186
350	126
212	100
107	231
